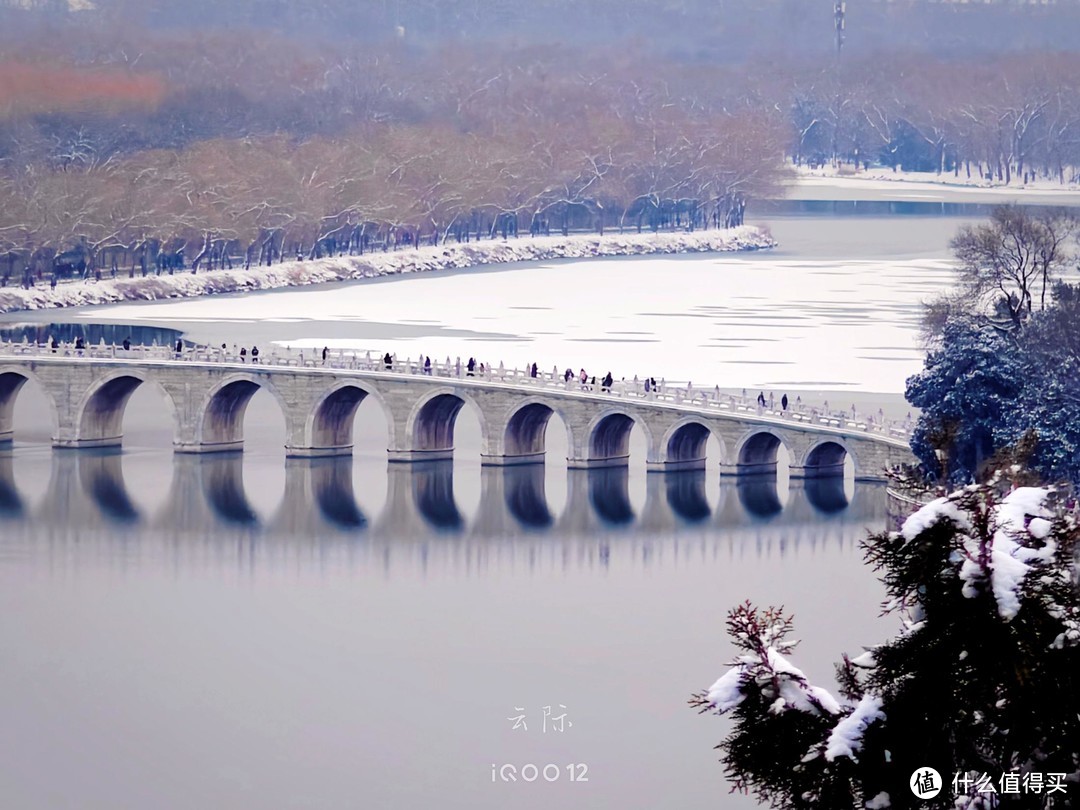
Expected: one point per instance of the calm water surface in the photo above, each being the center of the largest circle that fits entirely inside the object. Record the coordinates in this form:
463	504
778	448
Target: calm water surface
239	632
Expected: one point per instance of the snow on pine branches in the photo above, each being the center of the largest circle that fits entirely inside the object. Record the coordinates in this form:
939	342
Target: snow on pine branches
983	674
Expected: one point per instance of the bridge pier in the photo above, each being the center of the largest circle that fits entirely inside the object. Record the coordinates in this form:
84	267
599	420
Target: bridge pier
419	456
318	452
833	470
682	465
519	460
764	469
598	463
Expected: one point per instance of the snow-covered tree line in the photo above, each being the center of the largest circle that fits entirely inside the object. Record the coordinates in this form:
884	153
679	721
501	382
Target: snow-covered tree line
1002	375
130	141
981	683
1010	118
257	200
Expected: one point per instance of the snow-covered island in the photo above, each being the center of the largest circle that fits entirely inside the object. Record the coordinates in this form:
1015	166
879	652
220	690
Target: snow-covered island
185	284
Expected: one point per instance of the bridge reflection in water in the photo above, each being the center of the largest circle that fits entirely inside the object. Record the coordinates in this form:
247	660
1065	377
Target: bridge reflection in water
87	497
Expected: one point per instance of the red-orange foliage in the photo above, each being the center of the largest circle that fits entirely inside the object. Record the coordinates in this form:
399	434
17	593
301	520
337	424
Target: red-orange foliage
33	88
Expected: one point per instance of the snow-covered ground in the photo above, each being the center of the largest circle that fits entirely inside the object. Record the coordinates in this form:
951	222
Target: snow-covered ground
345	268
884	184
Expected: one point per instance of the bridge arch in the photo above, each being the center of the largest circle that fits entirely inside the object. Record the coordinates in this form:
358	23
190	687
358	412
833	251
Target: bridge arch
607	438
220	418
99	414
328	428
683	445
12	380
430	426
825	459
524	438
758	452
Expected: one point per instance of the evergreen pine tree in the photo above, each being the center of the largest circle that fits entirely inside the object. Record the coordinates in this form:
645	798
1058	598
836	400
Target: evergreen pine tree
983	679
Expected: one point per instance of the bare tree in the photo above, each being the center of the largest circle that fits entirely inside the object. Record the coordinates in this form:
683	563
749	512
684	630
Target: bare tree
1009	263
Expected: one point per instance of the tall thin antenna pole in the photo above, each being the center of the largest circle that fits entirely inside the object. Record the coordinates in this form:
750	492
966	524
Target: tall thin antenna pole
838	19
839	8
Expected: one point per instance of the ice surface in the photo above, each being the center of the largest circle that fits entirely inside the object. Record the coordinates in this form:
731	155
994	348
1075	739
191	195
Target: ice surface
733	320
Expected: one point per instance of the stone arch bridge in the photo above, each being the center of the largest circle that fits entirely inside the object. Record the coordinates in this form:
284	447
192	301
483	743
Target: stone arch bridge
208	391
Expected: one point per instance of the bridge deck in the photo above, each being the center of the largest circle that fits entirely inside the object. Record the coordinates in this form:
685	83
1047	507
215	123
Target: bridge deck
210	389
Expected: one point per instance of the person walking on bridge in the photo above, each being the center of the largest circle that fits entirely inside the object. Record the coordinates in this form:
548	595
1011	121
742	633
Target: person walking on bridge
254	354
325	352
783	402
179	348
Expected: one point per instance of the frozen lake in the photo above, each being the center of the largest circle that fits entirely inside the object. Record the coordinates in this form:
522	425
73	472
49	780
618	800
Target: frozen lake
185	634
835	307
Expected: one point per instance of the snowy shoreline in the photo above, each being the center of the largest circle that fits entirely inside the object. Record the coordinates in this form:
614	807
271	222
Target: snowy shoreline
373	265
902	186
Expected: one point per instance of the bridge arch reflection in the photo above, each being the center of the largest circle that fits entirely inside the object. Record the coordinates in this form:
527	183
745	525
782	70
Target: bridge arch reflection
87	491
12	506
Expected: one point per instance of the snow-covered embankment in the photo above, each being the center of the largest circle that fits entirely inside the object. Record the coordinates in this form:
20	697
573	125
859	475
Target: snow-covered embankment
348	268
